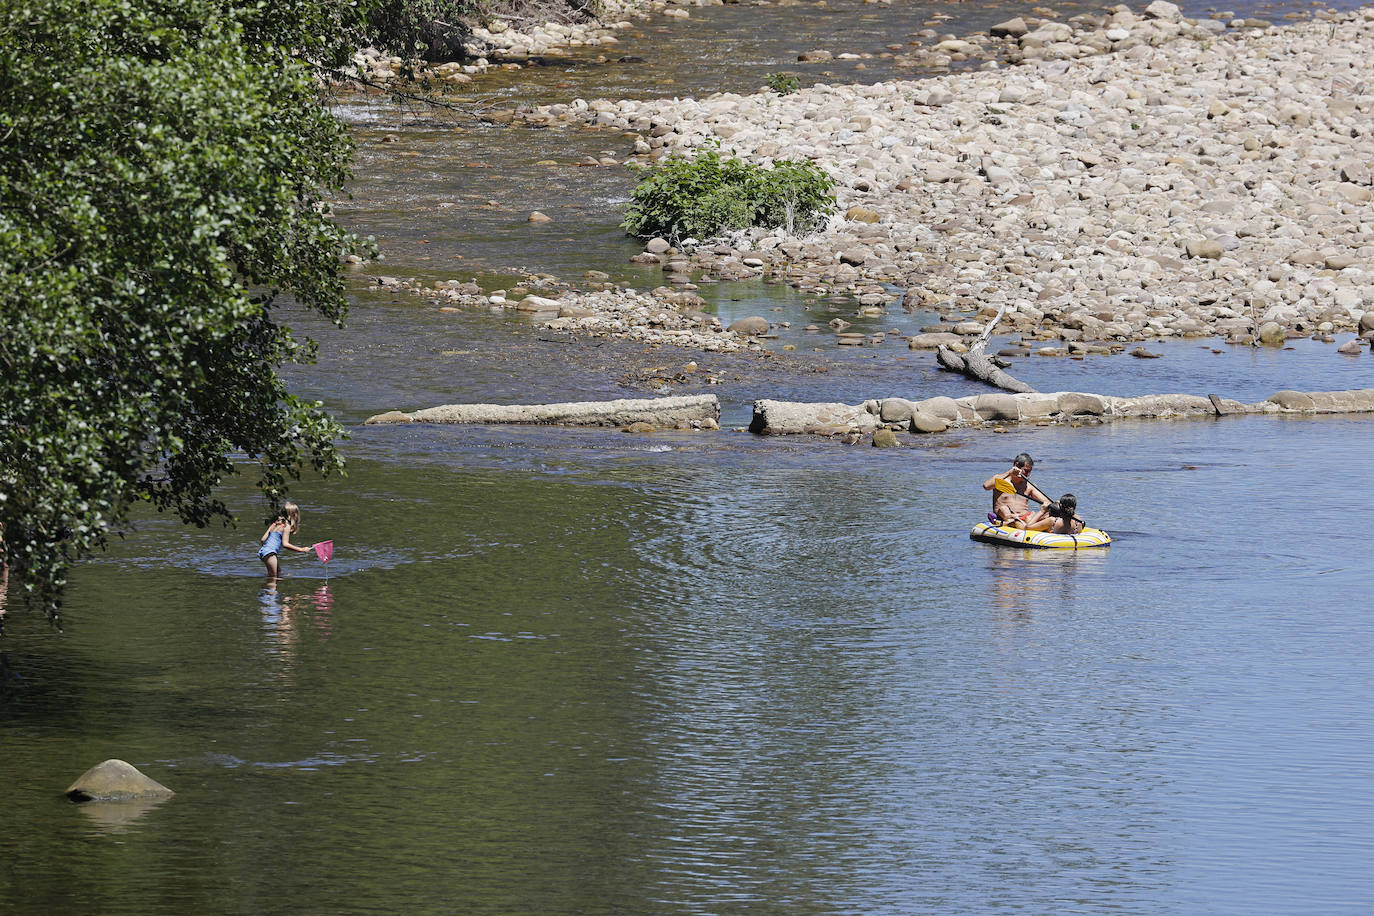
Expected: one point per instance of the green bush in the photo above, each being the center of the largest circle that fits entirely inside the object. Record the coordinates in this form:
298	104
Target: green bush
706	195
784	82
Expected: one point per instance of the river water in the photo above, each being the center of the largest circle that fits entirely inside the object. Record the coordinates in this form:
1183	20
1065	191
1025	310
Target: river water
579	671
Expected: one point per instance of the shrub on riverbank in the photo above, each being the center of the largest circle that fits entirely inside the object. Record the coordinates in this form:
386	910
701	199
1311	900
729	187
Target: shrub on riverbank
784	82
707	195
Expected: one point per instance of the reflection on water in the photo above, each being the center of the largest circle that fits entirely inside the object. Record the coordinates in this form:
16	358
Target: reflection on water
284	616
116	817
1023	578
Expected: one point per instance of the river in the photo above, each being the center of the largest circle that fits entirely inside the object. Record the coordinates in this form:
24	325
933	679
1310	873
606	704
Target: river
580	671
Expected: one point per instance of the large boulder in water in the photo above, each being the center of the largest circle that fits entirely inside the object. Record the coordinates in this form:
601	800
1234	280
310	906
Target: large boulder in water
752	326
115	780
782	418
922	422
1271	334
896	410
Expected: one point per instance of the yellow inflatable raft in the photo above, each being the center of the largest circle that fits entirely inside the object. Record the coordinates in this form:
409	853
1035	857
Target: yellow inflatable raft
1015	537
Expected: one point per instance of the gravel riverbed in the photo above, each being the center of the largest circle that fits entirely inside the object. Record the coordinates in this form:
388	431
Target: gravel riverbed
1149	178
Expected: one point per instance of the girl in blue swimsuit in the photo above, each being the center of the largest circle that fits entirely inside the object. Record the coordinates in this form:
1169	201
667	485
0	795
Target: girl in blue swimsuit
277	537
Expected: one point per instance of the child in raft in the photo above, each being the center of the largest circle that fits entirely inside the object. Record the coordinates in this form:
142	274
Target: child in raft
278	537
1065	519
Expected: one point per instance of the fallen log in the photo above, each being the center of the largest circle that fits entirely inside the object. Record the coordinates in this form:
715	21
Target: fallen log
977	365
698	411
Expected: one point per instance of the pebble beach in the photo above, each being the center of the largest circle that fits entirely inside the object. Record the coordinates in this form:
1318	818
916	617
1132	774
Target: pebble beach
1151	177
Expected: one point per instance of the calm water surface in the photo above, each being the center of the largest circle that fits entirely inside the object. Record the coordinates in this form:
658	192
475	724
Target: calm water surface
561	671
590	673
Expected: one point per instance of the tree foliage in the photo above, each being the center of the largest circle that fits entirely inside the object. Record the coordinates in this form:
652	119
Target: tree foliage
164	168
707	195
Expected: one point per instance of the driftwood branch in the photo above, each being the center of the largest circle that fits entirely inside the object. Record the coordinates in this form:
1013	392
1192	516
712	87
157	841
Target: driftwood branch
976	364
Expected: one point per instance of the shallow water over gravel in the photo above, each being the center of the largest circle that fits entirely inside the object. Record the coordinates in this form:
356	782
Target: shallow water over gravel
580	671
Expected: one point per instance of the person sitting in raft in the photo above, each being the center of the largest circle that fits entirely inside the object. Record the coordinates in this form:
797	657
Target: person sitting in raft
1064	515
1010	501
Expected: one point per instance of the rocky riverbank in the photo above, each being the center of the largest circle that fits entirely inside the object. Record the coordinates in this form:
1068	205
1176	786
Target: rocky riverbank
1150	178
661	316
501	43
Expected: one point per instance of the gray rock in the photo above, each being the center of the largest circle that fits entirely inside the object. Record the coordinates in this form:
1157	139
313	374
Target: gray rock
924	422
1012	28
538	304
1293	400
657	246
1033	406
115	780
1163	9
885	438
778	418
1076	404
1359	400
750	327
943	408
896	410
1271	334
997	407
1163	405
1350	348
390	417
932	341
663	412
1205	248
1356	172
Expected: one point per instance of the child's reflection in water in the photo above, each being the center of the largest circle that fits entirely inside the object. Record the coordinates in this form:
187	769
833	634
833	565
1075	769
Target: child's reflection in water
283	615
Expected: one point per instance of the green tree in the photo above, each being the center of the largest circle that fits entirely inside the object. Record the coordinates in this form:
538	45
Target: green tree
164	172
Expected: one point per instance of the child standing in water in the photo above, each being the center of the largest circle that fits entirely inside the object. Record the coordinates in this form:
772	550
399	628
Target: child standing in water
278	537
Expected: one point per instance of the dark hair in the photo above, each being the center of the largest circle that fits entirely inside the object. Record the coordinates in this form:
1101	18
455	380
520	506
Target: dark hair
1065	507
1022	460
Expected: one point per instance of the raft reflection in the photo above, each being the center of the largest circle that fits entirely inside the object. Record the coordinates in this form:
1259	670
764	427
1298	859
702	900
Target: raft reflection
1024	577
